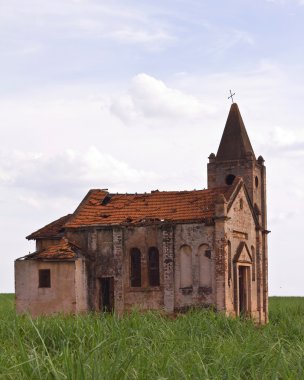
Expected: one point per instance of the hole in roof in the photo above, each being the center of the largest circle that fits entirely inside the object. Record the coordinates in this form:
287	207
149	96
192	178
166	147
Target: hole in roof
106	200
229	179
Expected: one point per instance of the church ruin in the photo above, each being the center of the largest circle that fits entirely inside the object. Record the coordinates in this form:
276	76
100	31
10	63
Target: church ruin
164	250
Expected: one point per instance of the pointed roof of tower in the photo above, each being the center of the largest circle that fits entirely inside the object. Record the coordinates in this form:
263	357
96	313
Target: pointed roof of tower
235	143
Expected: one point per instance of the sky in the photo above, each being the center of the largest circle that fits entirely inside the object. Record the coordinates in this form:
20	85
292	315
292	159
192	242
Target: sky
133	96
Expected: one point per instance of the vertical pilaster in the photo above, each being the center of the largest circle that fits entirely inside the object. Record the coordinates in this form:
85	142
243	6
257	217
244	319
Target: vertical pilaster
118	265
221	254
91	270
259	274
265	276
168	267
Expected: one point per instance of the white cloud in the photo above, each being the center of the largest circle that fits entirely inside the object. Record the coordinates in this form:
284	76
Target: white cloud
68	173
150	98
152	39
68	20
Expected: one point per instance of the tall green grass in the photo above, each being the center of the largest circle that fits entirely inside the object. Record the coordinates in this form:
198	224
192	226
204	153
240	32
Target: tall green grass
196	345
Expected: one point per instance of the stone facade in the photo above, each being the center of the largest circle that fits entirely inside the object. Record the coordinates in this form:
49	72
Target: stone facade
162	251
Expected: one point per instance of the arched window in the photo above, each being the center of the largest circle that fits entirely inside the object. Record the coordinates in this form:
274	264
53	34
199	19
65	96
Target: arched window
135	267
153	266
205	275
185	266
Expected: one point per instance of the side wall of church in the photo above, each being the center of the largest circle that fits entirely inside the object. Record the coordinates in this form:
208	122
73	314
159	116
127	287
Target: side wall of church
186	265
144	296
60	297
194	266
107	252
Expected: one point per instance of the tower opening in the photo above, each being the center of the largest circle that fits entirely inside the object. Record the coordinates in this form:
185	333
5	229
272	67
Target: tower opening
229	179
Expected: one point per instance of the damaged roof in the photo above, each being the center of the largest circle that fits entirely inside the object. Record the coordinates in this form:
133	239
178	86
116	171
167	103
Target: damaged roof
52	230
63	250
102	208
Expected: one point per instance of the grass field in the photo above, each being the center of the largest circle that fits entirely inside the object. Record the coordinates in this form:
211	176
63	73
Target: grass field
196	345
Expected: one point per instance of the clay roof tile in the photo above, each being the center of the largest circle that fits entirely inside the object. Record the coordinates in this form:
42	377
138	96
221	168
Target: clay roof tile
63	250
158	205
53	230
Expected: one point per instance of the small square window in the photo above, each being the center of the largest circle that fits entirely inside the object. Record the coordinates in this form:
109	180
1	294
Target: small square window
44	278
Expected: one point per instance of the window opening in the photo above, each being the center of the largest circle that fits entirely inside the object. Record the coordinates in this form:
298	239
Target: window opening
153	266
135	267
44	278
185	266
230	179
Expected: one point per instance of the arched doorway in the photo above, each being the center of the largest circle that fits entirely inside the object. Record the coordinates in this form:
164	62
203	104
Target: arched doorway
242	280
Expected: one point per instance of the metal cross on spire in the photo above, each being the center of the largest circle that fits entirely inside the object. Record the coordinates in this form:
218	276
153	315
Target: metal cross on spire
231	96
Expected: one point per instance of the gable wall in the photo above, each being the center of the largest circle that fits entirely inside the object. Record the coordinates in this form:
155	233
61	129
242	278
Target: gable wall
241	228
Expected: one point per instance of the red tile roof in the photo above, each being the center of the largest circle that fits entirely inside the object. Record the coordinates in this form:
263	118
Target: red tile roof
52	230
102	208
64	250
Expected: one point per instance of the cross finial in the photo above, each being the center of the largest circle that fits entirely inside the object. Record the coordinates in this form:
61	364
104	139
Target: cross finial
231	96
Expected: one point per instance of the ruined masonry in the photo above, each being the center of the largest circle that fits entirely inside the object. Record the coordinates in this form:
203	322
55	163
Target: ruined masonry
164	250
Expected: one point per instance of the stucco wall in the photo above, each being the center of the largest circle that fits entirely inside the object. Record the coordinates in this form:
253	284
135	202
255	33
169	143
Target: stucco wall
144	297
81	286
60	297
241	228
199	290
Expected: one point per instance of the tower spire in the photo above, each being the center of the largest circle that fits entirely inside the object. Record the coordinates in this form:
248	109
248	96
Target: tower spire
235	143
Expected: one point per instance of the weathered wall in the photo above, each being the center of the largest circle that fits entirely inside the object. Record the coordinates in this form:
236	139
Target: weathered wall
194	265
108	255
81	286
144	297
45	243
60	297
107	252
241	228
97	246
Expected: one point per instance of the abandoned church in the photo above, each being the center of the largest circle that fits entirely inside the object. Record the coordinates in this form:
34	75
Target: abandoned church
165	250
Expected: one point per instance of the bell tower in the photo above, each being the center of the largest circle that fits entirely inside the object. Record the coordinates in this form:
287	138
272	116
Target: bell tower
235	157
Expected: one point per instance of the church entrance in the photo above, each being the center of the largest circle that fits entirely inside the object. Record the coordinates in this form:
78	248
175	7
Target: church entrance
106	294
244	293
